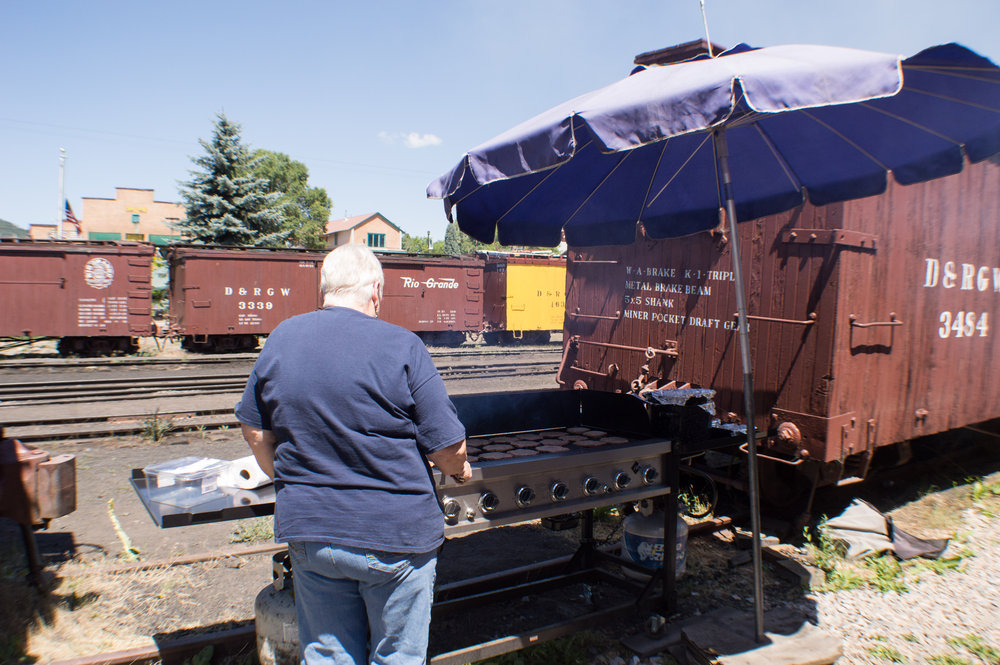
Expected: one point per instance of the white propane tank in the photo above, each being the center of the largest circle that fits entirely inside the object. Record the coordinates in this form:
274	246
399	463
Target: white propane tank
277	625
642	541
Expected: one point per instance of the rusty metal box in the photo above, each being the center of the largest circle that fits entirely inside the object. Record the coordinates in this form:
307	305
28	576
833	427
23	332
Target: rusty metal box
871	322
221	291
75	289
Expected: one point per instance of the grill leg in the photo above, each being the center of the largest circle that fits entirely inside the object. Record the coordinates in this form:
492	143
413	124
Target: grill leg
31	552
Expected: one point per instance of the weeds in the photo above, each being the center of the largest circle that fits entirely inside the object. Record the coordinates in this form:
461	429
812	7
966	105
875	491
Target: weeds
882	573
255	531
573	650
977	647
155	428
131	553
948	659
883	652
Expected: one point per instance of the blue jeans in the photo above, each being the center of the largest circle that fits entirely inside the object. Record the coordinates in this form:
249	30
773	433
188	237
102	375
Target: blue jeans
361	607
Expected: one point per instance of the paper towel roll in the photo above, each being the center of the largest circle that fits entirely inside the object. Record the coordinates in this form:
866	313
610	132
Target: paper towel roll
244	473
242	497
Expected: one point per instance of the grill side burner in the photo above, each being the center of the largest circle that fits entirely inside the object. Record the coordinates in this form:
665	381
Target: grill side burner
513	490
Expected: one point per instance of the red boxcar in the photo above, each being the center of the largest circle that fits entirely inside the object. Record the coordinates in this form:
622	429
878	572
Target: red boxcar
872	322
438	297
94	296
221	299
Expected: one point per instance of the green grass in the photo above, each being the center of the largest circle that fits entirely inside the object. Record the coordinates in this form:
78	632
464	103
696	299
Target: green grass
253	531
155	428
887	653
948	659
977	647
573	650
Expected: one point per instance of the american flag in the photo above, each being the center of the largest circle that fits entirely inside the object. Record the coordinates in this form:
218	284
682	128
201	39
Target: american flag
71	218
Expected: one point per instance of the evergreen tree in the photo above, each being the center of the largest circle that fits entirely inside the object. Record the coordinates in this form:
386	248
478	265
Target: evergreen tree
226	203
456	242
306	209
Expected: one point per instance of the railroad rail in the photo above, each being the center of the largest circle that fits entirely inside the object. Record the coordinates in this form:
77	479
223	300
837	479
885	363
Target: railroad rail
74	404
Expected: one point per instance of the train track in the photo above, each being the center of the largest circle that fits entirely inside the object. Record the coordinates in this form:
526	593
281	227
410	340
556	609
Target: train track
80	401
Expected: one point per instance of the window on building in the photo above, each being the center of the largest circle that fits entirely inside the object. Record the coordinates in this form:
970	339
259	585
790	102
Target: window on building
135	218
135	236
376	240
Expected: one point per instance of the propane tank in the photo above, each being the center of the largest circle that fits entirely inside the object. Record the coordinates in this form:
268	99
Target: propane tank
274	614
642	541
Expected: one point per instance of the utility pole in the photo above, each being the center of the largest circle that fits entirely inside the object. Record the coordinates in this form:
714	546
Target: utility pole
62	198
428	241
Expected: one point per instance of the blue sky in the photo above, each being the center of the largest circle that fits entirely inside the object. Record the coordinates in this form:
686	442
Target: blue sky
377	98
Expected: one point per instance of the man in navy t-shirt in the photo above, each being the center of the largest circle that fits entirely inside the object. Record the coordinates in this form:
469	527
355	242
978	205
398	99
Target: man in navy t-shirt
344	410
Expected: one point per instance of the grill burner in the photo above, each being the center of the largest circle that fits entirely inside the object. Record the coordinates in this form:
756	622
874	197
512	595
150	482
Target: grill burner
593	471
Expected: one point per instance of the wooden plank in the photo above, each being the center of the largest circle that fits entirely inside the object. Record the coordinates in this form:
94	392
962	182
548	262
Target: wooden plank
727	638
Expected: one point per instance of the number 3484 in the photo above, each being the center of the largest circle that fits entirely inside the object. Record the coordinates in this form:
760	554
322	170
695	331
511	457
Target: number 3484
963	324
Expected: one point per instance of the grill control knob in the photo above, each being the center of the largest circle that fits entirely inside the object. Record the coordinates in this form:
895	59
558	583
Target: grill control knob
622	480
649	475
592	486
524	496
488	502
452	509
559	491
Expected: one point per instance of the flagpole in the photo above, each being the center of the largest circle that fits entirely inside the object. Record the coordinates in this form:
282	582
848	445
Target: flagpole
62	196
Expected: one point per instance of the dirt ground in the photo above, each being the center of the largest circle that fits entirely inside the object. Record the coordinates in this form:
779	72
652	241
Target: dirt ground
96	603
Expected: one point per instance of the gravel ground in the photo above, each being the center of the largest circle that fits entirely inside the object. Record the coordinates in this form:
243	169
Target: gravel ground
917	623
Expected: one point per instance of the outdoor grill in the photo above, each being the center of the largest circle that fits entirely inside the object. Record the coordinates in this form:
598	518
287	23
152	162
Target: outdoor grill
553	452
538	454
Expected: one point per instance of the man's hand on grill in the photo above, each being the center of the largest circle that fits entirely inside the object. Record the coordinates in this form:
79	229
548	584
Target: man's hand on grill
465	475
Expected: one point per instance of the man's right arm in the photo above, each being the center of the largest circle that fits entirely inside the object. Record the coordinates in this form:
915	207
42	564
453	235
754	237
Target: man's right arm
453	461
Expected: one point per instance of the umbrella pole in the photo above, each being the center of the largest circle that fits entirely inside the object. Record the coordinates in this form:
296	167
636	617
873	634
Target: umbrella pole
722	155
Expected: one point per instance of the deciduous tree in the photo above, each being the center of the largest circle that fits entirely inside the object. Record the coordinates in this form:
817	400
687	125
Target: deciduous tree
306	209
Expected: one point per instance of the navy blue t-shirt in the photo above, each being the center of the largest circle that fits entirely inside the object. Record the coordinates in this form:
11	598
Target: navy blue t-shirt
355	404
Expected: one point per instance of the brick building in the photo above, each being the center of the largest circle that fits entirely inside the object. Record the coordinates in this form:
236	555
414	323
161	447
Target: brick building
132	215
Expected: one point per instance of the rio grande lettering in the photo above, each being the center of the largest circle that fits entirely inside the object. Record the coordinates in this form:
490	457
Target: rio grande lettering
430	283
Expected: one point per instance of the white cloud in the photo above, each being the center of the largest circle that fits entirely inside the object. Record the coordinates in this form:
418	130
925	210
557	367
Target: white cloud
410	140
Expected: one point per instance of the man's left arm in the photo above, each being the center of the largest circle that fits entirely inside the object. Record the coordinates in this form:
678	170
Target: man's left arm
262	443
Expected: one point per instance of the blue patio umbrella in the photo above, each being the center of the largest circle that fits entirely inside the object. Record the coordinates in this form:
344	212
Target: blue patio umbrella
680	148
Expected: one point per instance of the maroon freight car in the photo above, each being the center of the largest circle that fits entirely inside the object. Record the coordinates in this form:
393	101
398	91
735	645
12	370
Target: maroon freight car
438	297
94	296
221	299
872	322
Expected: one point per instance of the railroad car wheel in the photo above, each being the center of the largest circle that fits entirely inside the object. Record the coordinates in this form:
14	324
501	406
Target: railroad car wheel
536	337
786	490
491	338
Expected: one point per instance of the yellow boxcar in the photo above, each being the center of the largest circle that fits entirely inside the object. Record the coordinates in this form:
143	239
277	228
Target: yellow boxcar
525	297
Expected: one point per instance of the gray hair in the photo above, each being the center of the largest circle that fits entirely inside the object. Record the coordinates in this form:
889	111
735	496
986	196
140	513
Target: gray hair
348	274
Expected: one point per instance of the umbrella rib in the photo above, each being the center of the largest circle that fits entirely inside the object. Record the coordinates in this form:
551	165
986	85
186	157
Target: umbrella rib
955	100
913	124
649	188
778	157
680	168
610	173
538	184
847	140
957	72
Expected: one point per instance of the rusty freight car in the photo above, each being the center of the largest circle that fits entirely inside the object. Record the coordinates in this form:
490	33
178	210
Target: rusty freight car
525	297
438	297
221	299
95	297
872	322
